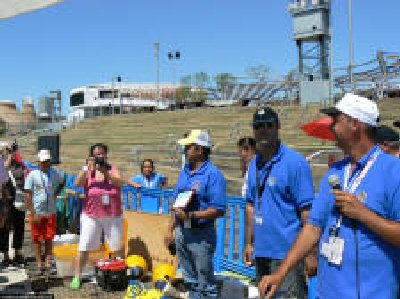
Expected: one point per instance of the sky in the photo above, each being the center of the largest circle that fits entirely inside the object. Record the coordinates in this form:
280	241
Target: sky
81	42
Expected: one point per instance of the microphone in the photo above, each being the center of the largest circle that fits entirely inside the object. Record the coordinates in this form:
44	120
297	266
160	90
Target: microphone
334	182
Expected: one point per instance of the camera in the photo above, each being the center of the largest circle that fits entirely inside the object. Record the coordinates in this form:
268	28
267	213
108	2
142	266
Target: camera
13	148
101	162
172	248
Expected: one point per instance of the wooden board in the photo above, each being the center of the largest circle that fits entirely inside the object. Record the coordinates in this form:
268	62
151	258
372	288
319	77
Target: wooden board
146	237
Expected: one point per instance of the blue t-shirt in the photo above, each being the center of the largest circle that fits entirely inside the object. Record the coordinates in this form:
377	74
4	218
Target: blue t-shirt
287	190
380	192
43	185
210	186
156	180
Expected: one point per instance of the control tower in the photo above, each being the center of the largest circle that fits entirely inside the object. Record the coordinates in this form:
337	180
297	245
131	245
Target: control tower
311	31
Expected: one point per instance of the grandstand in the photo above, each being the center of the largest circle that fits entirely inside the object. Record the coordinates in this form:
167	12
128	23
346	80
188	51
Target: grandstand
132	137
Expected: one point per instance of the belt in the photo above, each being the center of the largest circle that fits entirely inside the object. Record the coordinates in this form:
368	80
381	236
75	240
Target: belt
195	224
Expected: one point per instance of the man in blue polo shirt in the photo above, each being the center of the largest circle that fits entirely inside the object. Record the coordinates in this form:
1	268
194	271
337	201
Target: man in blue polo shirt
356	214
279	194
200	193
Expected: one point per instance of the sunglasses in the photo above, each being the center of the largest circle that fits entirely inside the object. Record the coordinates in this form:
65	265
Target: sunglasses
261	125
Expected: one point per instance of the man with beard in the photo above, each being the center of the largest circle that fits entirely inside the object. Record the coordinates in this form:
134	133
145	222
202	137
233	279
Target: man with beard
355	216
279	195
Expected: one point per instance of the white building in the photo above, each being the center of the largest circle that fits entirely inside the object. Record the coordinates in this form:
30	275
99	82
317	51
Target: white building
112	98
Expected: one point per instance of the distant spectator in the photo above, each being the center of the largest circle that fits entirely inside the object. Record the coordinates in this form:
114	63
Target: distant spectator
247	151
13	197
41	189
388	140
149	178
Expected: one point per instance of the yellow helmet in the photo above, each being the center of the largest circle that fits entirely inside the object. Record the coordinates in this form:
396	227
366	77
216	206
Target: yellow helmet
137	266
163	272
151	294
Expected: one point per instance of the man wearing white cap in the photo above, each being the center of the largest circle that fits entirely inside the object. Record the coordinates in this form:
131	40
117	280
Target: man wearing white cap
40	196
355	216
200	199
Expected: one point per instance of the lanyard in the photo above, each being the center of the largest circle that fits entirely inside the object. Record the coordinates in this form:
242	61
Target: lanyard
351	186
260	188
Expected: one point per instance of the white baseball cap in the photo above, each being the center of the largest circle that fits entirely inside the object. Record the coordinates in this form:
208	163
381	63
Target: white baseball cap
198	137
357	107
44	155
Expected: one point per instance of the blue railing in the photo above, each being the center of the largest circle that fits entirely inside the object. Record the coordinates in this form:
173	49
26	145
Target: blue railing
230	227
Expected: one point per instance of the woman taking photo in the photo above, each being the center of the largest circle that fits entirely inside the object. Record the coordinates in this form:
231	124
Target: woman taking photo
102	207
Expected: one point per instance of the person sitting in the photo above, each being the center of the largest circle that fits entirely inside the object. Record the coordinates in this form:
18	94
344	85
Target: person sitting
149	178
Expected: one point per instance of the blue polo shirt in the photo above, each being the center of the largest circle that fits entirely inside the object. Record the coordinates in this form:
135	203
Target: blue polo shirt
210	188
287	190
155	181
380	192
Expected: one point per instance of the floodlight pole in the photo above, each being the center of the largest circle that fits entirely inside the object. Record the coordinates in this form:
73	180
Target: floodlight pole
350	21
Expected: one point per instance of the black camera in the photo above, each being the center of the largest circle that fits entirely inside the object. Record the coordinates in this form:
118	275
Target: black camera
13	148
101	162
172	248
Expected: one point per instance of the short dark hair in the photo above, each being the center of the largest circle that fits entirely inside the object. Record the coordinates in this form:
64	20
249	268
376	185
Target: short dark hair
100	145
147	160
247	142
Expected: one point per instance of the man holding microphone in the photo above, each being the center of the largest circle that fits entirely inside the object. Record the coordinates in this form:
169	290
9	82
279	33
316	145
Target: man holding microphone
355	217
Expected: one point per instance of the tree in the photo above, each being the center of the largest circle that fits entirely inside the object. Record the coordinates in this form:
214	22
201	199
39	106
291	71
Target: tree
258	72
201	79
186	80
183	93
222	80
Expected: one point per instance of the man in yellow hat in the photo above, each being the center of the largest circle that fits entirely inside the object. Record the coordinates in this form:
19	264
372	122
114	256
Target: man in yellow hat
200	199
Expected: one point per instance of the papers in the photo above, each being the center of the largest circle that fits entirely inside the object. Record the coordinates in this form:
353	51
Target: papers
183	199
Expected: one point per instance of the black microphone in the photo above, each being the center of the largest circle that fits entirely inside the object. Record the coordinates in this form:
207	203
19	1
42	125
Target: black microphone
334	182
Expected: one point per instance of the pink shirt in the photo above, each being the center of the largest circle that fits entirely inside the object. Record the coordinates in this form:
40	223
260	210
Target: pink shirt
102	198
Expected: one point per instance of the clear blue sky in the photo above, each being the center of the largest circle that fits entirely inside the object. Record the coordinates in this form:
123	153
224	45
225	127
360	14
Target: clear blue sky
80	42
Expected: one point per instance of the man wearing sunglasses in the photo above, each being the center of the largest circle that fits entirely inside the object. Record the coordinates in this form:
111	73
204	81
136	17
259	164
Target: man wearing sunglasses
279	195
201	188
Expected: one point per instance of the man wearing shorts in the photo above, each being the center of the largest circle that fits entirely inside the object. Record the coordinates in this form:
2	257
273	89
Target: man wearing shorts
40	196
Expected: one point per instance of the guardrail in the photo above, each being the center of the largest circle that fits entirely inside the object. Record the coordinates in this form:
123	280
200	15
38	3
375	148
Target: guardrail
230	227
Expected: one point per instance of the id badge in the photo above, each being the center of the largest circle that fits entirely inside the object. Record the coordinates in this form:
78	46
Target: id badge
336	247
187	223
333	250
258	220
106	199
